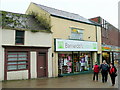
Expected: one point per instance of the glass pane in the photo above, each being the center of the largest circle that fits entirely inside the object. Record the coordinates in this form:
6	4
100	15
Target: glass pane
12	54
19	40
64	63
12	59
76	36
23	62
22	54
12	62
12	67
22	66
22	58
19	33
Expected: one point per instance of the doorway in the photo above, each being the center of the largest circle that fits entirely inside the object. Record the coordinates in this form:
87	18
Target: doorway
106	56
41	65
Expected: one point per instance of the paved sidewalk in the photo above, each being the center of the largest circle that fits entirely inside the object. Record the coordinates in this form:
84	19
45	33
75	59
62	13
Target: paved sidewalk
76	81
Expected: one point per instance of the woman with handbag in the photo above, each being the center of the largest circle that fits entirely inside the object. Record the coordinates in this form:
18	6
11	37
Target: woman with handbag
112	72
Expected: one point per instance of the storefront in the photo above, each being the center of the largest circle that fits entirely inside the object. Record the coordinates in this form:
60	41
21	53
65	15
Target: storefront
74	56
25	62
110	53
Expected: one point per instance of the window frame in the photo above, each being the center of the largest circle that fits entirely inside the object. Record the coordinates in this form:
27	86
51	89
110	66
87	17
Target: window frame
19	37
78	29
27	61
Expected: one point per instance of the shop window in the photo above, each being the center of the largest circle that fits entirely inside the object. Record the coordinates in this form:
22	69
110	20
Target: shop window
74	62
65	63
85	61
17	61
19	39
76	34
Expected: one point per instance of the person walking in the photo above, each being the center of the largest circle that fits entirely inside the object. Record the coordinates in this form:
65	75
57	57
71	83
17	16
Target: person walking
104	71
96	71
112	72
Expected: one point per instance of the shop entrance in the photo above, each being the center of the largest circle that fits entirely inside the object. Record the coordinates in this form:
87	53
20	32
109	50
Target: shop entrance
106	56
41	65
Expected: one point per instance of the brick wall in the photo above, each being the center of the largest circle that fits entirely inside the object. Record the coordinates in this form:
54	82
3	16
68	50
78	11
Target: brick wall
111	35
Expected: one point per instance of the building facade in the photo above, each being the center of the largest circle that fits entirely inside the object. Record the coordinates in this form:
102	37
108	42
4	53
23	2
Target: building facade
76	44
25	50
110	40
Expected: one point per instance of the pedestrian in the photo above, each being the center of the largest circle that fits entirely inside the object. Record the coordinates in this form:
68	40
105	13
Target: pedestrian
96	71
104	71
112	72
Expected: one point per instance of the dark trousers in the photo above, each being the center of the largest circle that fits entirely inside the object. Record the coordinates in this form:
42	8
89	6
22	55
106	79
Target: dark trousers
112	78
95	75
104	76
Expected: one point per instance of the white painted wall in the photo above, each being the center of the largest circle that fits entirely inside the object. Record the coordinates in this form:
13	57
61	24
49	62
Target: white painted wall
1	67
38	39
16	75
8	37
33	64
50	62
2	63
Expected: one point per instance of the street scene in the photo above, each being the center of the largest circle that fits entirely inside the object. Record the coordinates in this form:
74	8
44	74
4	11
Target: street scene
49	44
76	81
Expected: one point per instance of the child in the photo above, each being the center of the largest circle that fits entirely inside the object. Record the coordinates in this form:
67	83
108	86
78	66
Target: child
96	71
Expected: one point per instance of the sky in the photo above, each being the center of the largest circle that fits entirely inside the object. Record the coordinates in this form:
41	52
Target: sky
107	9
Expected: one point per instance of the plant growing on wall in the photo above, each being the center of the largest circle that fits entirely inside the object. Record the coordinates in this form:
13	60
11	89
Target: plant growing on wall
42	20
13	20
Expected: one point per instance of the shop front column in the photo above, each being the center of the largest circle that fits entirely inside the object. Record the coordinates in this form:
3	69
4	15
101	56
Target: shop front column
100	58
55	64
94	55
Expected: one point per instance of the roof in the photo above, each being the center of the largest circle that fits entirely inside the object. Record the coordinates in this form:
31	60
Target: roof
95	22
17	21
64	14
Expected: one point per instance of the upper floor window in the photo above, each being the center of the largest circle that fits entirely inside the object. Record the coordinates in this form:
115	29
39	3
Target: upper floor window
76	34
19	39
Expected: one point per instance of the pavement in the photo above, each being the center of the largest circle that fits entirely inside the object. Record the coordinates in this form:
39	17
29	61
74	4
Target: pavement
75	81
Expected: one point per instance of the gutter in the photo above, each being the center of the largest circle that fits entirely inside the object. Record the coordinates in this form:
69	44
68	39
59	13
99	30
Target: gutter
75	20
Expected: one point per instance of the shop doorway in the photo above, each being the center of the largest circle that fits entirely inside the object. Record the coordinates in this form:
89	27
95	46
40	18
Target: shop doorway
106	56
41	65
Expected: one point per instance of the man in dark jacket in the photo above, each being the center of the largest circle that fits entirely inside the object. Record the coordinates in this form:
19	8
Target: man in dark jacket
104	70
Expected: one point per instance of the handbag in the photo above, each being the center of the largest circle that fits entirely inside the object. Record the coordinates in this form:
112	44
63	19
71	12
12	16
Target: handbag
115	74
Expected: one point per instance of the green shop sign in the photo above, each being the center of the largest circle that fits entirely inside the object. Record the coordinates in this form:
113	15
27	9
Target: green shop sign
74	45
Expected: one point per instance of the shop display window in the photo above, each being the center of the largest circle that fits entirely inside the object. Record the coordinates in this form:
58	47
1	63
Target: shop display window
85	61
65	63
74	62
